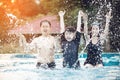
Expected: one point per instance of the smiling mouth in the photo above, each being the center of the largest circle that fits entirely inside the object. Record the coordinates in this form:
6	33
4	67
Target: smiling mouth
45	30
68	38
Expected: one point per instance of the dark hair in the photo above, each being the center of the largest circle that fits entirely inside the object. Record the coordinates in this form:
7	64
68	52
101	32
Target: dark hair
45	21
70	29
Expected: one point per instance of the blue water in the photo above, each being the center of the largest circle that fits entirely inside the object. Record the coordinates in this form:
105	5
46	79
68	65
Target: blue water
22	67
109	59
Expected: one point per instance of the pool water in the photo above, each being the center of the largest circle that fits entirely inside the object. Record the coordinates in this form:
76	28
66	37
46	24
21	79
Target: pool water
22	67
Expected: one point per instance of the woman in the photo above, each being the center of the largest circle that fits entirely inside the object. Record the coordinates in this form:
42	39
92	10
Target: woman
94	46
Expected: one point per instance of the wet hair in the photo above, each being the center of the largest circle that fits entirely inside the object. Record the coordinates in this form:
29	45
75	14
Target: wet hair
70	29
95	24
45	21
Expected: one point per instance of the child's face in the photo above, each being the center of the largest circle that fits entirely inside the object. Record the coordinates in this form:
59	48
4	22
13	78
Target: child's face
95	30
69	36
45	28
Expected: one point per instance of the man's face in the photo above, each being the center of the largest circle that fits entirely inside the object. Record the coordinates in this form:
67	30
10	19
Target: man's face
69	36
45	28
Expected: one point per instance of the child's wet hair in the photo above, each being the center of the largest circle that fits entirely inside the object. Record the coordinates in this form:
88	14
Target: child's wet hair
45	21
70	29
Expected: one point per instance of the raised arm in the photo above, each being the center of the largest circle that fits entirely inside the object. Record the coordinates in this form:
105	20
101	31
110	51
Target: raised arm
85	20
62	24
79	21
108	17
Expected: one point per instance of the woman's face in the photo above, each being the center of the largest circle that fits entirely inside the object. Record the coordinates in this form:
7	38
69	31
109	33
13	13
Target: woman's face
95	30
45	28
69	36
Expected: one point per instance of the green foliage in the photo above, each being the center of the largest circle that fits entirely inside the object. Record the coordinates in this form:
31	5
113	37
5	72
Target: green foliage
71	7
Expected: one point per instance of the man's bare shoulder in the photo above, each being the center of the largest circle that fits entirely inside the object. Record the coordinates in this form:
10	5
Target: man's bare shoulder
51	37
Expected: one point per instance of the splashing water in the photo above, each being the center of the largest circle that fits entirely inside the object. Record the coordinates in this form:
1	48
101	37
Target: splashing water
17	66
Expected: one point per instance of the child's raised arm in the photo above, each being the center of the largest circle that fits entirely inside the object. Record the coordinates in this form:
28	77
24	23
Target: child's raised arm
79	21
85	20
62	24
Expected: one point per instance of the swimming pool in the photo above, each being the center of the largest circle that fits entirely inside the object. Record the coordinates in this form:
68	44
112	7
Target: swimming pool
22	67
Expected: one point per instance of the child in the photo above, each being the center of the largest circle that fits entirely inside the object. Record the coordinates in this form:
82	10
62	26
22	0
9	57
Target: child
45	45
70	41
94	47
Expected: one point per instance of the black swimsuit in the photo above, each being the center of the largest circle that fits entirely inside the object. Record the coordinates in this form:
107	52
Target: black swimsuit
70	52
94	52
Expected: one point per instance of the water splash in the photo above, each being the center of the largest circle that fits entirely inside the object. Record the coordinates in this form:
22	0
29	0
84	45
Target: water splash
12	18
100	19
14	21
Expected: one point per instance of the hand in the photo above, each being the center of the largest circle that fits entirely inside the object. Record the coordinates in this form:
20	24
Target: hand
61	13
80	13
108	16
